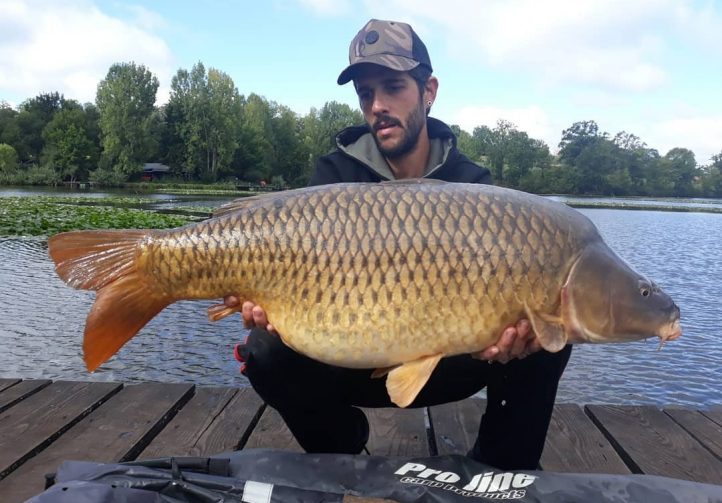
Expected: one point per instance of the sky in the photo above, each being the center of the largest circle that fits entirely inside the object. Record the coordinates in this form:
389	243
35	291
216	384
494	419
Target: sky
648	67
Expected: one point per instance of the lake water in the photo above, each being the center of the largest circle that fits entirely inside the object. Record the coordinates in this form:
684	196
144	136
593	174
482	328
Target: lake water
42	320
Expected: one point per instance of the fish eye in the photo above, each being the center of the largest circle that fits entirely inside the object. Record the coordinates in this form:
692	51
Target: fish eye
645	288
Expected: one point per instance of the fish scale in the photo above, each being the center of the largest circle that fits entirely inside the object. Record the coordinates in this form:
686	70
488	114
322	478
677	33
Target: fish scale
367	259
374	275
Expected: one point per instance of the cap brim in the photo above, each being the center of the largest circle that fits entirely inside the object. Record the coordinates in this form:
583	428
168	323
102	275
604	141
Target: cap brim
398	63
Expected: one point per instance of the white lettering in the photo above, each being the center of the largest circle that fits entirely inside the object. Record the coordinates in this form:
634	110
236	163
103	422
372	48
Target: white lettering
448	477
501	482
410	467
480	482
428	472
522	480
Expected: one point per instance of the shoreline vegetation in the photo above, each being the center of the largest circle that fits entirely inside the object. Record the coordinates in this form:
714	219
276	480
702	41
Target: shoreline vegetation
208	132
45	215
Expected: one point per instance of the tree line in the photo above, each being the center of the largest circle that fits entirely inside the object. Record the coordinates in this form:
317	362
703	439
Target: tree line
208	132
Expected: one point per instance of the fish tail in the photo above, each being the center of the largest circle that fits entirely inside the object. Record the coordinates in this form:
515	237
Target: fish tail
107	262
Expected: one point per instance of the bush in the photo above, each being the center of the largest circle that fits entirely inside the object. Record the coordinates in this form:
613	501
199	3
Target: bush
41	175
8	161
107	177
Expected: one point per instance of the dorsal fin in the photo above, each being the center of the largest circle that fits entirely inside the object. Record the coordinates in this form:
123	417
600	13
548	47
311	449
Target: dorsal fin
239	204
247	202
414	181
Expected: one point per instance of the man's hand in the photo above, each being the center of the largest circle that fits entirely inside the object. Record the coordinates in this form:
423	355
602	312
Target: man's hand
253	315
515	342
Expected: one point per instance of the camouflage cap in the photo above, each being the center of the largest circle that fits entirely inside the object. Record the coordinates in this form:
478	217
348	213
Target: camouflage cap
386	43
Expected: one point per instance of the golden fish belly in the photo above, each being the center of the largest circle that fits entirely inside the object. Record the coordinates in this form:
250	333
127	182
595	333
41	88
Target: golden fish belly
374	275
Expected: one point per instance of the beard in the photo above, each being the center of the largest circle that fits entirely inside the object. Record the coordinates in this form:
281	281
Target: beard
412	129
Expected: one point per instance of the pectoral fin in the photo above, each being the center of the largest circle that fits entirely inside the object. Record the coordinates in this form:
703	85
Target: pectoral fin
549	330
405	382
219	311
379	373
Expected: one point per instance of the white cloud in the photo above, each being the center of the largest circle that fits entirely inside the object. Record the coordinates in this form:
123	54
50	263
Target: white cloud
700	134
532	120
599	43
327	7
68	46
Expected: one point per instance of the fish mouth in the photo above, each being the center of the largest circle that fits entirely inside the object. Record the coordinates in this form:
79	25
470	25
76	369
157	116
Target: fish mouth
670	332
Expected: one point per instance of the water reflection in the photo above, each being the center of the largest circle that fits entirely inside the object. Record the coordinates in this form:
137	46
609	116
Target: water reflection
41	322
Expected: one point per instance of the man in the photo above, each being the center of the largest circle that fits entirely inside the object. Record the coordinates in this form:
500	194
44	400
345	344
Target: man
391	72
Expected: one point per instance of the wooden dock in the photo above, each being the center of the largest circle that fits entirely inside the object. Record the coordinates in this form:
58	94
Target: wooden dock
43	423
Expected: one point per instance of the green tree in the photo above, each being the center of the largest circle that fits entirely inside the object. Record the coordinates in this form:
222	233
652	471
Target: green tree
680	167
523	154
125	101
69	149
206	112
576	138
9	129
320	127
465	142
8	163
257	127
712	177
510	153
34	114
289	150
596	165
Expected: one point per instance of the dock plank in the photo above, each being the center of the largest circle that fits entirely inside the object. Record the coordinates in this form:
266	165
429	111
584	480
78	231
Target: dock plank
110	433
456	425
215	420
650	442
706	431
397	432
574	444
32	424
46	423
714	414
6	383
14	394
271	432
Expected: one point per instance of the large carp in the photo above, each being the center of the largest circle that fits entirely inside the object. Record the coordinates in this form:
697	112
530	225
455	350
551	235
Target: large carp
389	276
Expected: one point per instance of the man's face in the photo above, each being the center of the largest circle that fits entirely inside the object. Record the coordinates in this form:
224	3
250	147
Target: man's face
393	108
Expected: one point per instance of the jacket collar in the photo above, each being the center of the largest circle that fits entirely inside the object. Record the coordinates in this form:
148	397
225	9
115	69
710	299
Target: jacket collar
358	143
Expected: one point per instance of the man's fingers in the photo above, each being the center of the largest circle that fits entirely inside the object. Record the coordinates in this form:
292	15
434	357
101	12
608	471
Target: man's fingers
507	339
488	354
523	328
247	313
519	346
259	316
231	300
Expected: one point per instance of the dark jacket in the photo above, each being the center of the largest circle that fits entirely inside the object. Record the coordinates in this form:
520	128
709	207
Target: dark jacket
341	166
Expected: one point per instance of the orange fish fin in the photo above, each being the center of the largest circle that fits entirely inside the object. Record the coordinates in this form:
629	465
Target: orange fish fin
405	381
219	311
549	330
378	373
92	259
105	261
120	310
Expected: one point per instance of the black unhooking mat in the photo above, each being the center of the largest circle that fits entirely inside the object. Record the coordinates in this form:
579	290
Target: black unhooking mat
270	476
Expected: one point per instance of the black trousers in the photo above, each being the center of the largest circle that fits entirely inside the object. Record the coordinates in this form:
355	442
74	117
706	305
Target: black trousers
319	402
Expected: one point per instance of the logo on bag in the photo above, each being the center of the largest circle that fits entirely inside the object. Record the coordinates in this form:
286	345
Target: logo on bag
491	485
